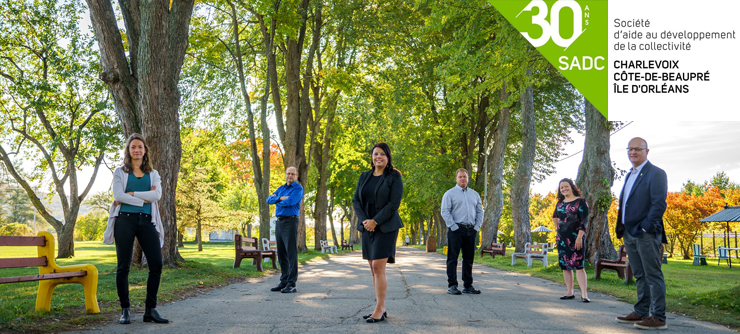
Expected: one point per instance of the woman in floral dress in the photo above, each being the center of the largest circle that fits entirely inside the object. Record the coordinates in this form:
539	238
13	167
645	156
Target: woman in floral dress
571	219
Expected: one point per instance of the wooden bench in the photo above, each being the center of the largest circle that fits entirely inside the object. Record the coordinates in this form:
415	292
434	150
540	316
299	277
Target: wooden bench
621	266
328	247
496	248
249	248
268	245
531	252
347	245
50	274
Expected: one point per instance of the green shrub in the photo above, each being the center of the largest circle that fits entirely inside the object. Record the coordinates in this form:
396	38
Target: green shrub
91	226
16	229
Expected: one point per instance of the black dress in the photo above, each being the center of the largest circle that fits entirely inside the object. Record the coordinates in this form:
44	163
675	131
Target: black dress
376	245
572	217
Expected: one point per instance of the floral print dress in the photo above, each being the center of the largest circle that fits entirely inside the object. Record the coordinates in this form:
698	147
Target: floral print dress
572	217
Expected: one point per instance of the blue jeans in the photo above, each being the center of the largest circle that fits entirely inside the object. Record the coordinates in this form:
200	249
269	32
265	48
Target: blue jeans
645	260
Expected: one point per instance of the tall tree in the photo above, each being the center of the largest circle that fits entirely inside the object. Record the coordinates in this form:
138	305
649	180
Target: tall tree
595	179
495	164
523	173
51	107
142	74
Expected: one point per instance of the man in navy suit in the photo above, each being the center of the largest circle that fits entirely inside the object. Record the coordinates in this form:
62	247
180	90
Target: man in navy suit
641	207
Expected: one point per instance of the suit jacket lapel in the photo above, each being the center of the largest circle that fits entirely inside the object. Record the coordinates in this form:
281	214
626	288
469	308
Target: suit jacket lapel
362	185
640	177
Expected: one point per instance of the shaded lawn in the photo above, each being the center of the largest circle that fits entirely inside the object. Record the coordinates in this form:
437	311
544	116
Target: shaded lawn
709	293
202	271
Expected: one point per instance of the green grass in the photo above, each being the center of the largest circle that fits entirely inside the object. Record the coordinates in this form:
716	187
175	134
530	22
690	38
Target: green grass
709	293
202	270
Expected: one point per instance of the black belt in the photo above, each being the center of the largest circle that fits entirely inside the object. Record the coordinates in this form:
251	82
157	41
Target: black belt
466	225
129	214
286	217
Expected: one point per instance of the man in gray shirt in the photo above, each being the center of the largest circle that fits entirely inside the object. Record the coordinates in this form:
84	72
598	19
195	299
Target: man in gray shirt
462	212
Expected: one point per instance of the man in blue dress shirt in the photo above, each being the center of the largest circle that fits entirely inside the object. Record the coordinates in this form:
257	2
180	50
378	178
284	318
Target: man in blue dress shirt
287	199
462	212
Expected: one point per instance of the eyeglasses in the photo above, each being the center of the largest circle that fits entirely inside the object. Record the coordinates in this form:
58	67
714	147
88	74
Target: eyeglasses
635	149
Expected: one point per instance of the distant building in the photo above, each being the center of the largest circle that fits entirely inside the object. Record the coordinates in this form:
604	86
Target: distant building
222	236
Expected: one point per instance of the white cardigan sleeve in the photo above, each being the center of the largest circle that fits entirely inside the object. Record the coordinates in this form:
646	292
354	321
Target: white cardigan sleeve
119	193
151	195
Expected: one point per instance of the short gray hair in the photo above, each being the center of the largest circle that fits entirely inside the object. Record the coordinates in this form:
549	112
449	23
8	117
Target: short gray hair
462	170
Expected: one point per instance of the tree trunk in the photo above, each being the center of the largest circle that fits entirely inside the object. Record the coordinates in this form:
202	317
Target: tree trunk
331	219
261	170
180	238
199	235
523	173
296	126
483	140
143	81
495	165
595	179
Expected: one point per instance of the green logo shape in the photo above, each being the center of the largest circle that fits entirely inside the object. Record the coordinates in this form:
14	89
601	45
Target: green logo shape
572	35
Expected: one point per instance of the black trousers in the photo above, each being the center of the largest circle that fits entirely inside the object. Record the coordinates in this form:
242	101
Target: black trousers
286	233
137	225
462	238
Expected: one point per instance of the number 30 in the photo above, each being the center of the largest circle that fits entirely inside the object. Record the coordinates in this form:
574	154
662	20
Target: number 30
552	29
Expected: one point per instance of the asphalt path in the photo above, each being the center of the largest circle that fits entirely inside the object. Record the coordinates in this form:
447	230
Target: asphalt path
334	293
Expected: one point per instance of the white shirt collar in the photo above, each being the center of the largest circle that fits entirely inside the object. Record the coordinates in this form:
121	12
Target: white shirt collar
639	168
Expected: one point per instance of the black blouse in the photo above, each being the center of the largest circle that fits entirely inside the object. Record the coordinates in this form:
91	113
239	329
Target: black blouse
368	195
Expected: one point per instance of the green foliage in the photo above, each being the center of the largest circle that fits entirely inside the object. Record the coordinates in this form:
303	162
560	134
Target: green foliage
55	111
14	203
91	226
16	229
100	201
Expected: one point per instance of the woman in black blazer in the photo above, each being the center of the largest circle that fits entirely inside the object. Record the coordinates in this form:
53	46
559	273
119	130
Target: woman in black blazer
377	198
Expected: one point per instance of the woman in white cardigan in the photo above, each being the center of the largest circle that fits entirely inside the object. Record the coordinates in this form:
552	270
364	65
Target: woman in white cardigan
135	214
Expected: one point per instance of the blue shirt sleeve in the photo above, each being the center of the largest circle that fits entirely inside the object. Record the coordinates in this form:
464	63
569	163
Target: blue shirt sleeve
274	199
294	196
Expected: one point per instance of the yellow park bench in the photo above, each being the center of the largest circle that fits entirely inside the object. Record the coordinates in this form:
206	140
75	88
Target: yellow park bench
50	274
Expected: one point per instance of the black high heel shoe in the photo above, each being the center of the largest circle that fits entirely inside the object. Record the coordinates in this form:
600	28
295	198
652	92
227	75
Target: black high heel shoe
151	315
585	300
385	314
125	317
373	320
573	296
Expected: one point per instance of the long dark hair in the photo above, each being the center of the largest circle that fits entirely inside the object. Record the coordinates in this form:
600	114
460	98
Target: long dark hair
387	149
146	165
573	188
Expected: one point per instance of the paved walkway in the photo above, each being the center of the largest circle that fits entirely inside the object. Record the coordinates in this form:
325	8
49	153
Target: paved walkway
333	295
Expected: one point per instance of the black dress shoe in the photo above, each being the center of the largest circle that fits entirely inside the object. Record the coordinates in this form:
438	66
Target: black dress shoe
373	320
471	290
385	314
453	290
289	289
125	317
278	287
585	300
568	297
151	315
